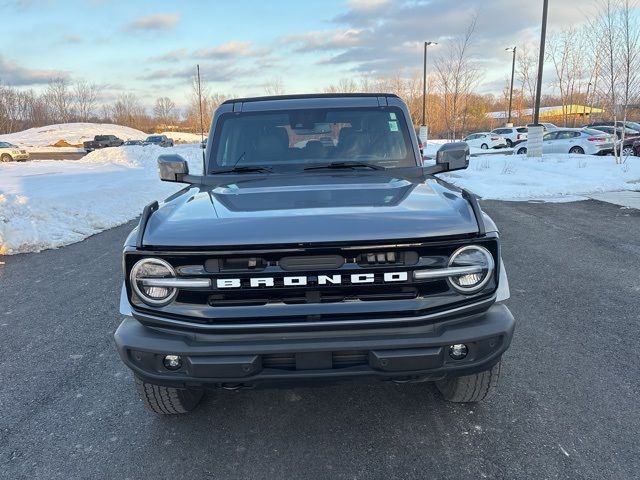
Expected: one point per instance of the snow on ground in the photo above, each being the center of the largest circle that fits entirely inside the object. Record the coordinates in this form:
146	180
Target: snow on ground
47	204
184	137
72	133
556	177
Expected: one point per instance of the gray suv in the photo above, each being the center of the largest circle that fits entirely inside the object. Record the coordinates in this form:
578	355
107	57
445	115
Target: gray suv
160	140
314	247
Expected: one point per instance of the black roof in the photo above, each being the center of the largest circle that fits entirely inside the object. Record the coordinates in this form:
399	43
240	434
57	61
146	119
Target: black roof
308	95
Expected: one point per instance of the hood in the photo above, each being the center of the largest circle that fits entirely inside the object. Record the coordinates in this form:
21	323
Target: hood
310	208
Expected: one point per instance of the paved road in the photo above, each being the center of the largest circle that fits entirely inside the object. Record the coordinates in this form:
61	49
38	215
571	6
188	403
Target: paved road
57	156
567	405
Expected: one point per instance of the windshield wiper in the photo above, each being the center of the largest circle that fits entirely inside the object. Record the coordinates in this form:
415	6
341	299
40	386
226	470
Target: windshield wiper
244	169
338	165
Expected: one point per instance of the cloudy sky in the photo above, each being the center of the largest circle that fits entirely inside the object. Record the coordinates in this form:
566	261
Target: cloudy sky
150	48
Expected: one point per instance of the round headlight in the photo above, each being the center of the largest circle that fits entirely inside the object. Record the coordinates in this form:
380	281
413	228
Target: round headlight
151	268
471	256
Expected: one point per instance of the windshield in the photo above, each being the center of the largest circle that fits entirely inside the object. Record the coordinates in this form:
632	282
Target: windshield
154	139
294	139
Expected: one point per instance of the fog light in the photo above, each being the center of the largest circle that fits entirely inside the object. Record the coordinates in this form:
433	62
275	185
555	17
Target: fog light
458	351
172	362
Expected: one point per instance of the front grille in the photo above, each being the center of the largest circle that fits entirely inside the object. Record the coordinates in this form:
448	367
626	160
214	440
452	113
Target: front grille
321	298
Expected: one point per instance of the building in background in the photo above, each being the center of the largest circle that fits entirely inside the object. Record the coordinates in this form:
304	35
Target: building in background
569	115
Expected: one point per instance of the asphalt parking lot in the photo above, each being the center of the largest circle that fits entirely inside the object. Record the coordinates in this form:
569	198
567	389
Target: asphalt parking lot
56	156
567	404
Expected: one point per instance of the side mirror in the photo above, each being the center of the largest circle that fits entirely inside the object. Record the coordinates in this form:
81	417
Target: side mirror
453	156
172	168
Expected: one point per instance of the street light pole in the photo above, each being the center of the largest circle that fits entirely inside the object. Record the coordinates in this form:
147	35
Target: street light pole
424	131
424	83
513	71
536	132
543	35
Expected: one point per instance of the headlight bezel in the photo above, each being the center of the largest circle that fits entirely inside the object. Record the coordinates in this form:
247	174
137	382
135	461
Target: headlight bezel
134	279
490	270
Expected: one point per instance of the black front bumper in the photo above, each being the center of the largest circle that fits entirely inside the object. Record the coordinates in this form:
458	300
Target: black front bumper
395	353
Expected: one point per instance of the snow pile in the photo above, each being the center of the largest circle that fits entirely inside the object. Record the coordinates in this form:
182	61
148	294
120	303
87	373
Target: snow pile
184	137
47	204
555	177
71	133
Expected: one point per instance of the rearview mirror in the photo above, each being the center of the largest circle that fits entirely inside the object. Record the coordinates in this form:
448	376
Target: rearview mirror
172	168
453	156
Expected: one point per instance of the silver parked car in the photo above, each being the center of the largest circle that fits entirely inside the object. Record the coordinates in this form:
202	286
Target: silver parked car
574	140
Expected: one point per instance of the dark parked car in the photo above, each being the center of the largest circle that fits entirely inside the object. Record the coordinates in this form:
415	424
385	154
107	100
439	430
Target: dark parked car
160	140
635	126
630	136
130	143
291	260
102	141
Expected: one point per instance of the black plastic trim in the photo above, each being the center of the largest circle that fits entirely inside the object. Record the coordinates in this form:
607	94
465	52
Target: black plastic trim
307	95
477	212
495	323
144	219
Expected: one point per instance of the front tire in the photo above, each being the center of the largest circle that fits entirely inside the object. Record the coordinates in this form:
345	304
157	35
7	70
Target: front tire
470	388
577	150
165	400
522	151
509	143
6	157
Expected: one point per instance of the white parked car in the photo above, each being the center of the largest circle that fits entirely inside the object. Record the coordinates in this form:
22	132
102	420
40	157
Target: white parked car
485	140
9	152
574	140
546	126
513	135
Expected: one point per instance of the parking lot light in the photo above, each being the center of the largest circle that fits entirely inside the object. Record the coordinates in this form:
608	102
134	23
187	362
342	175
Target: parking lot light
513	71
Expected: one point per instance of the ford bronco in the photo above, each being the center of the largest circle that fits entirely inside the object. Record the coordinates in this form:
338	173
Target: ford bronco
314	246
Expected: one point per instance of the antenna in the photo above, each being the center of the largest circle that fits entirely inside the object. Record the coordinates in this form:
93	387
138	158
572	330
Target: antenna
201	120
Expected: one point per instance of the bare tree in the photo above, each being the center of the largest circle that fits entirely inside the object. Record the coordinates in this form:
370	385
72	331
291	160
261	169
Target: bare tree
128	111
456	75
59	99
566	53
85	95
165	111
344	85
605	27
526	71
274	86
629	57
9	115
210	101
616	24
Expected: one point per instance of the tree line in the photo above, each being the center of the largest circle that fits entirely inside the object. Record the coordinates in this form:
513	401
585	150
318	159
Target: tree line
595	65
